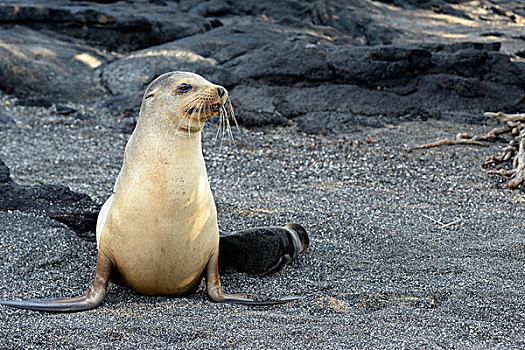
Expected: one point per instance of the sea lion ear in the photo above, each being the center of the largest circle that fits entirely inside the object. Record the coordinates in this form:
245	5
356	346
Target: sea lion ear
150	94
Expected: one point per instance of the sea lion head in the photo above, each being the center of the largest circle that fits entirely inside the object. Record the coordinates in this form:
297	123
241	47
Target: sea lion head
185	100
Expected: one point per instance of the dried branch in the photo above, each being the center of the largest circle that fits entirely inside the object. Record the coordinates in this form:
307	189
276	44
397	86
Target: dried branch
508	153
514	152
450	142
466	139
506	117
494	134
519	177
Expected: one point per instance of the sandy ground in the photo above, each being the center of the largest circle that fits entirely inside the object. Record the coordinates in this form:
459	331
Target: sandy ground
408	250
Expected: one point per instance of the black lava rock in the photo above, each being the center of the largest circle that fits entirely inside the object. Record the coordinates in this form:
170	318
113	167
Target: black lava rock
75	210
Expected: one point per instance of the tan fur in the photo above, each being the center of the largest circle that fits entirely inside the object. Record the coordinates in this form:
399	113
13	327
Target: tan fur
158	232
160	226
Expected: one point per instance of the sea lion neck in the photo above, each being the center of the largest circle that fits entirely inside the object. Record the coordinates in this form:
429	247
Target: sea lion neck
155	139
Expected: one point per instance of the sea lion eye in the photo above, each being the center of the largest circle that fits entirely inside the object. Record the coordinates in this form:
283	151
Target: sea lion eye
183	88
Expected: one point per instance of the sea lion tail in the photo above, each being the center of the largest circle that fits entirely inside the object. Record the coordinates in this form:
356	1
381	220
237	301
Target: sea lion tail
90	300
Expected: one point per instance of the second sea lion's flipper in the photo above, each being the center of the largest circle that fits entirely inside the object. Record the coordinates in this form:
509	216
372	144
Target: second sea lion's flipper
216	294
90	300
283	261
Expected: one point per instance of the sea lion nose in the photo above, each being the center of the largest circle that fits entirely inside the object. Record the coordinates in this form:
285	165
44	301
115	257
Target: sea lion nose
221	91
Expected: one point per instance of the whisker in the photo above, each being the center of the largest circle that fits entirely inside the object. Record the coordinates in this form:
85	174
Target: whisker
230	107
189	127
224	119
180	122
186	113
203	106
229	129
224	109
199	121
199	109
218	125
192	102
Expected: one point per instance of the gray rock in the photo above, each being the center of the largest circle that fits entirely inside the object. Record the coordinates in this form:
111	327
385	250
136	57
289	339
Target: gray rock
256	105
278	63
42	70
347	17
414	81
209	54
230	41
211	8
127	78
378	65
133	73
114	26
259	119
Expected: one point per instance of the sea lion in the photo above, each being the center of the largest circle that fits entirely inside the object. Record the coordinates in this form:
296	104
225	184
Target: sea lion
261	250
158	233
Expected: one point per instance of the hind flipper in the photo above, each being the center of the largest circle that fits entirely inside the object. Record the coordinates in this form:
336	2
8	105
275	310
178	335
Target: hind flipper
90	300
216	294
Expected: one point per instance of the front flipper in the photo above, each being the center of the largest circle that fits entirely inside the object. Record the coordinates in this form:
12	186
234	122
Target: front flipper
216	294
283	261
90	300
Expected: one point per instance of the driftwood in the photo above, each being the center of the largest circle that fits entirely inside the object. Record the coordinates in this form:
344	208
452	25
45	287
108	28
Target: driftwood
514	153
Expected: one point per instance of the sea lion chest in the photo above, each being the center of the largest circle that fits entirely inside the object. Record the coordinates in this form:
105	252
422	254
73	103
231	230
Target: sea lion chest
162	228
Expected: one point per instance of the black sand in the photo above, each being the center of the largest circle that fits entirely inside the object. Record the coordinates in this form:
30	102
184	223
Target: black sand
408	250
